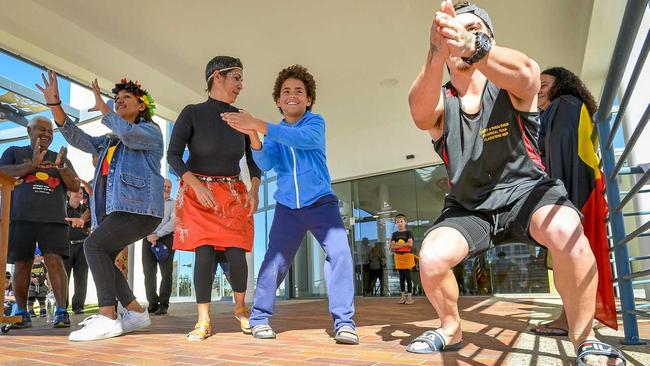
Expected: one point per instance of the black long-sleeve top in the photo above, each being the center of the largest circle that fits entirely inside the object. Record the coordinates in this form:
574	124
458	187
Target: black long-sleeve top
215	148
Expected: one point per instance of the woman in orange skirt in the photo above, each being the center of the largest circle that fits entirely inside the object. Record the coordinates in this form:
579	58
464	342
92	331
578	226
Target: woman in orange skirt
214	211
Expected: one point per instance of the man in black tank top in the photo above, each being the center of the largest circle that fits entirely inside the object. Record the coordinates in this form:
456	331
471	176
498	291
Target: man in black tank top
484	125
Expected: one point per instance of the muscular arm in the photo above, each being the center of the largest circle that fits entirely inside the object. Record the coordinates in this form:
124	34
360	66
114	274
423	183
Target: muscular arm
425	102
515	72
425	95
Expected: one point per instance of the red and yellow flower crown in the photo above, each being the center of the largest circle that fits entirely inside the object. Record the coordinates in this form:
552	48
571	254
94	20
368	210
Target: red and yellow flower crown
135	88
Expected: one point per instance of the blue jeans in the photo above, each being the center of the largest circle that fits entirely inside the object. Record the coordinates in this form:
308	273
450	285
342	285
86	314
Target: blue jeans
289	227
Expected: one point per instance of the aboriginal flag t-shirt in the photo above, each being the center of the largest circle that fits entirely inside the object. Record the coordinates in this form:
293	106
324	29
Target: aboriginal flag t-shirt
40	195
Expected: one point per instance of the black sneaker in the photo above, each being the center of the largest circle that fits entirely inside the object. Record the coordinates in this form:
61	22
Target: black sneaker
78	311
25	323
61	320
32	313
43	313
162	309
152	308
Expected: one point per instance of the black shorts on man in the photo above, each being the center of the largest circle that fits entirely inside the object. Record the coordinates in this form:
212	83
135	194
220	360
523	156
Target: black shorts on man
510	224
23	236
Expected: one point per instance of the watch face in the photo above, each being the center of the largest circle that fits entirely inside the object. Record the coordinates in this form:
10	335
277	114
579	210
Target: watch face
484	40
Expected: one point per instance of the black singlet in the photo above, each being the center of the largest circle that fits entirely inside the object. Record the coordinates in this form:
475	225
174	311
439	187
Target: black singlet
491	157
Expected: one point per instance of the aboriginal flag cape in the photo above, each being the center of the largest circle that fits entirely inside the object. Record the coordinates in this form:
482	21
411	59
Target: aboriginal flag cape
570	155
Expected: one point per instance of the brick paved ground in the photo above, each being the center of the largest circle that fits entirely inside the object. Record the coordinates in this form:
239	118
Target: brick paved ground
494	331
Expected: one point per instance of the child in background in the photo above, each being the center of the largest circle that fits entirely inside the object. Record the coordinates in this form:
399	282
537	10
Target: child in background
401	244
37	288
10	299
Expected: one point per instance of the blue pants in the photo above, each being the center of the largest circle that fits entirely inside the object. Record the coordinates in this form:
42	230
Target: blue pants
289	228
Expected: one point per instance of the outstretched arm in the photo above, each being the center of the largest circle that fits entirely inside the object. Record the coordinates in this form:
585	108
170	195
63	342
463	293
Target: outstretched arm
309	135
425	95
73	134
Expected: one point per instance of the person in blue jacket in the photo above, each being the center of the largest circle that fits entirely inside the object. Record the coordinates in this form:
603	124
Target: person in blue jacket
295	148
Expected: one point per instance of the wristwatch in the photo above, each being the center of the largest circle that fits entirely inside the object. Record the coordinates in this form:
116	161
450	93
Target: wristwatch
482	46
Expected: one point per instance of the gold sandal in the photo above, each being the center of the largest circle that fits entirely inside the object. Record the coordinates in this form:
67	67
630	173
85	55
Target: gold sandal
242	314
201	331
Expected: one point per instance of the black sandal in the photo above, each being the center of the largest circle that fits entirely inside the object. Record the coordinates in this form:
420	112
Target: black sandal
346	335
598	348
436	343
263	331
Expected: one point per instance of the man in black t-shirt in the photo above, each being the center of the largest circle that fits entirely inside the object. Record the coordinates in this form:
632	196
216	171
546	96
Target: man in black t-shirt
79	218
38	214
484	125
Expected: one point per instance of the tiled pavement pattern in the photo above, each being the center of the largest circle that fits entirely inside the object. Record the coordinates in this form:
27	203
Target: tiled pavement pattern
494	333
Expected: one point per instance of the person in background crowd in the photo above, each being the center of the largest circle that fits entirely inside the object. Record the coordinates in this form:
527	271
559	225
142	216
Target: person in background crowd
401	243
38	288
162	235
10	299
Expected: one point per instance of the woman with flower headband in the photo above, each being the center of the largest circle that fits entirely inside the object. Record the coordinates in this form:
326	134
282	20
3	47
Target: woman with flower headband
127	203
214	212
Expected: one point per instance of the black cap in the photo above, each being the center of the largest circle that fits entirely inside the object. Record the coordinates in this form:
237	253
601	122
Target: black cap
221	63
479	12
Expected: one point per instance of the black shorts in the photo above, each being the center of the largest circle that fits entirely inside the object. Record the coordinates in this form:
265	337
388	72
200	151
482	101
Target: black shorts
23	236
483	229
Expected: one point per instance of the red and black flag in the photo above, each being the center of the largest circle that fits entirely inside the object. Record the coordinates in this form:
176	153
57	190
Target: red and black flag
570	156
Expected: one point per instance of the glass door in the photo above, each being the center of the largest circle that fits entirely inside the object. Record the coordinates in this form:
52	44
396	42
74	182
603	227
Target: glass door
376	202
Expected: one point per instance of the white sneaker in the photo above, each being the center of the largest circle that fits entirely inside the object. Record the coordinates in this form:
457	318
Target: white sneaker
132	320
96	327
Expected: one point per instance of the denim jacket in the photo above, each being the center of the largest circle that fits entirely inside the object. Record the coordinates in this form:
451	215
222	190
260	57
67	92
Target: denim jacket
134	183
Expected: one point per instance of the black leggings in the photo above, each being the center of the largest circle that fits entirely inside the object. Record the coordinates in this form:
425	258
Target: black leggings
405	276
204	261
116	231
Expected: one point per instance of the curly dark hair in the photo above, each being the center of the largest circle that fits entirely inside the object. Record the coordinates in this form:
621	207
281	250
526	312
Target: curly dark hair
135	88
296	72
568	83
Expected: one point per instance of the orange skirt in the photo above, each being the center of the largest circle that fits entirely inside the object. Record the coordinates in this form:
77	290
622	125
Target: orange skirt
404	260
224	226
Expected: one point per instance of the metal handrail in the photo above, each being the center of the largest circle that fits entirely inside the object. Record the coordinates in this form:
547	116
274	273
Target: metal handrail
607	126
630	88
